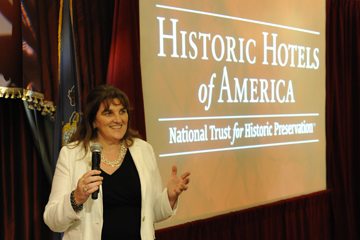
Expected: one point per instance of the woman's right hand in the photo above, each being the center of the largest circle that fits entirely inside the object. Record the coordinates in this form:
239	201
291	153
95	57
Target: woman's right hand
87	184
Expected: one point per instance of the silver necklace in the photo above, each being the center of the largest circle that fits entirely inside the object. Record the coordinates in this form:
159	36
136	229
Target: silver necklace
117	162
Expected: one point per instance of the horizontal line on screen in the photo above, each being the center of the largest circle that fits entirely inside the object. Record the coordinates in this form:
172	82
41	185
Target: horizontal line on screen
237	19
237	148
238	117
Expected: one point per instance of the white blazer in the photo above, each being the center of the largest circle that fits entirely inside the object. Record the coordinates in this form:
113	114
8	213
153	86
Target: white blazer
87	224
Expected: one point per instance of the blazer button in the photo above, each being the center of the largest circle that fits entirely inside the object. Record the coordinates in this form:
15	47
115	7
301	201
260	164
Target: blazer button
143	218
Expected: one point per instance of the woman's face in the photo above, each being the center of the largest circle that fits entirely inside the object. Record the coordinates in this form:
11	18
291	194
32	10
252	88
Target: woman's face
111	122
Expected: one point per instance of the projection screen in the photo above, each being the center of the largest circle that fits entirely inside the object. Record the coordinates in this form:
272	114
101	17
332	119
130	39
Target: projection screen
234	92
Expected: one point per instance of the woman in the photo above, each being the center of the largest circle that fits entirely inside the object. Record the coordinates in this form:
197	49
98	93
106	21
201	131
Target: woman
131	197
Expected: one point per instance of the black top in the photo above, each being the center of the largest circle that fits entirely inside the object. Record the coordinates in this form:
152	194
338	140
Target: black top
122	202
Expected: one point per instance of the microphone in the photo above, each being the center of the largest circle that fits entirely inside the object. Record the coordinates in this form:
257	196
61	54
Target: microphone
95	162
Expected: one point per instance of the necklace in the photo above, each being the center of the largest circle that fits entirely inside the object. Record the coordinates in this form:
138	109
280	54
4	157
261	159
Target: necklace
117	162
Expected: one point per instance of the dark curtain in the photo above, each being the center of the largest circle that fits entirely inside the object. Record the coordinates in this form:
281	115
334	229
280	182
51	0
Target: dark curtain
92	22
47	14
24	184
124	63
23	118
342	119
302	218
39	46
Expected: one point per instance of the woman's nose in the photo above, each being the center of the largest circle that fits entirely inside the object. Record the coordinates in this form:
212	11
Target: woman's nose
118	118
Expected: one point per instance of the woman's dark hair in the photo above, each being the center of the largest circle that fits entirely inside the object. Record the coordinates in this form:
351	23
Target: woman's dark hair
101	94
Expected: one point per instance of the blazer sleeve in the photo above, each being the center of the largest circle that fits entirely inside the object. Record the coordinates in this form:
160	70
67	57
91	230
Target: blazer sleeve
59	214
162	207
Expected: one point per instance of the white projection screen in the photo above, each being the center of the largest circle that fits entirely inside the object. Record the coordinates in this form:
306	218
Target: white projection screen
234	92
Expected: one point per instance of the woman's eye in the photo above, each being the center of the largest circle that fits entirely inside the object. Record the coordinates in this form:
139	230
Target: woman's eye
106	113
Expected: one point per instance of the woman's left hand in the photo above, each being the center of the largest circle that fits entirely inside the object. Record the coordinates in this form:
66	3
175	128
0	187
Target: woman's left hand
176	185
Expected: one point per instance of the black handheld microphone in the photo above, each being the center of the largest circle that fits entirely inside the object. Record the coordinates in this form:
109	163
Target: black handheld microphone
95	162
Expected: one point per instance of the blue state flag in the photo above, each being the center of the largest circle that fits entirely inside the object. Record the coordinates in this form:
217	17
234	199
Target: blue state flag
68	105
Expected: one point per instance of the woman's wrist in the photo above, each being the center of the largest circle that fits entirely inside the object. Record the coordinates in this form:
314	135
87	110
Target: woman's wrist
77	207
172	199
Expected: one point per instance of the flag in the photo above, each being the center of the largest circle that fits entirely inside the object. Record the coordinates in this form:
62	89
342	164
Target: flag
68	104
